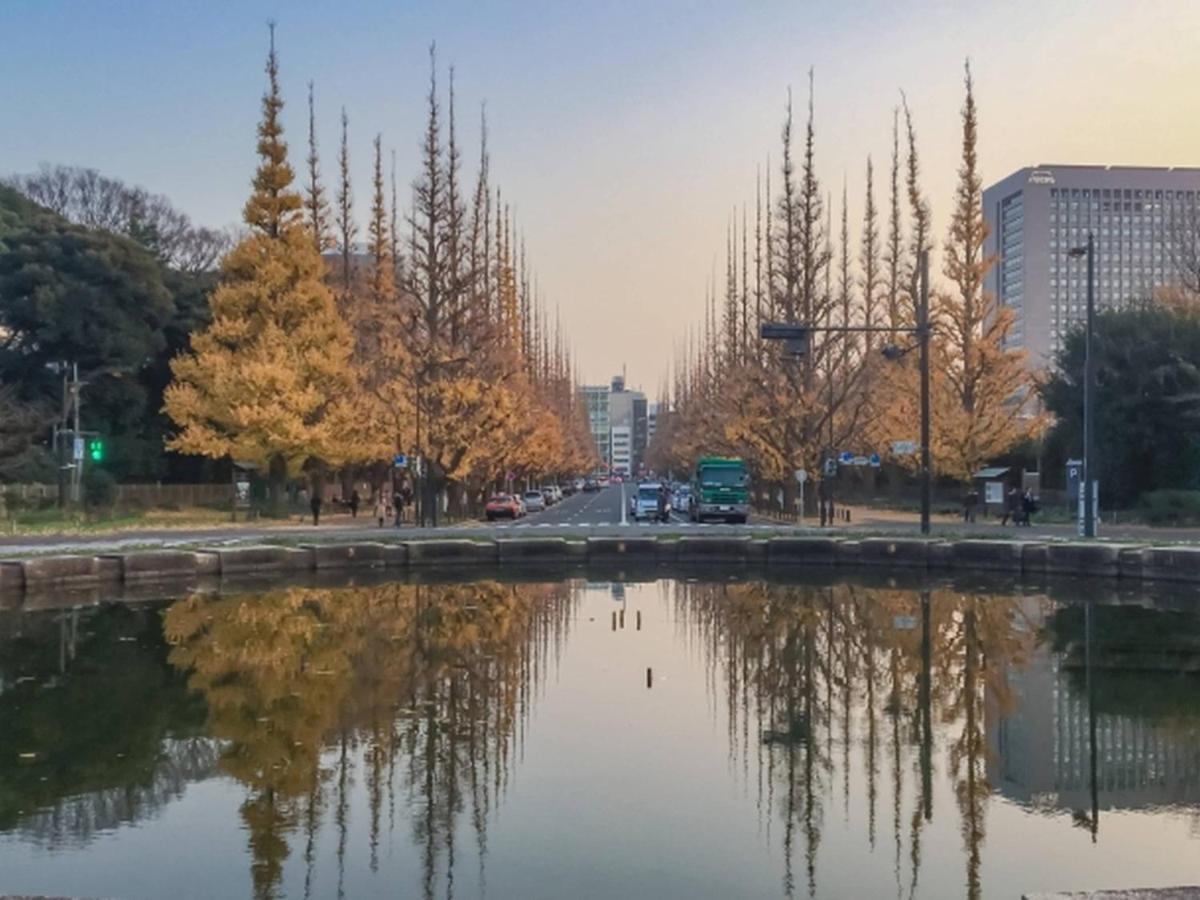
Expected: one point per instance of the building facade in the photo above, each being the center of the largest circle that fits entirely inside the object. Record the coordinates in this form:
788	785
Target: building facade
622	450
1035	217
596	397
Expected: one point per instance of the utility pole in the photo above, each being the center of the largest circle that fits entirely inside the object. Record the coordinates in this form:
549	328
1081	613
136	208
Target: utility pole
923	341
76	456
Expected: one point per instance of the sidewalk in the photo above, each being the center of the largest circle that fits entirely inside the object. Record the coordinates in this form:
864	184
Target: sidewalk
873	519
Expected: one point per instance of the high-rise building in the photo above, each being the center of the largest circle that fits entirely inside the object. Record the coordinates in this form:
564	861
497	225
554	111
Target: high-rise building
1036	215
596	397
622	450
627	409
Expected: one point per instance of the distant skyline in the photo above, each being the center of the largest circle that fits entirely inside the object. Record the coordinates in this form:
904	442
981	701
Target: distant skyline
624	133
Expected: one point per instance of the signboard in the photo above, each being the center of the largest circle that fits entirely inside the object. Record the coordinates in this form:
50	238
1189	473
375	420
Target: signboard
241	489
830	467
801	476
993	492
904	448
77	453
846	458
510	477
860	461
399	460
874	460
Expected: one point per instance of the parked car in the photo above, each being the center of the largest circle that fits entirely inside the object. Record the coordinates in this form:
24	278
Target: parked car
503	506
590	485
680	497
534	501
549	495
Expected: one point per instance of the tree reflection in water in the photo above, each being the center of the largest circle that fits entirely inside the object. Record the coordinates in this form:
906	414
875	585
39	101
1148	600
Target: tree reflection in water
798	665
429	685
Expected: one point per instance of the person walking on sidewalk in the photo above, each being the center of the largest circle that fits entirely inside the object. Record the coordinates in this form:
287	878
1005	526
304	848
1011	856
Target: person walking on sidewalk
315	505
1012	507
355	500
398	505
381	508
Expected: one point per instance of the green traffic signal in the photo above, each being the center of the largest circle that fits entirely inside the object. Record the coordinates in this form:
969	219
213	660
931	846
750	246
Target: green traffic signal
96	450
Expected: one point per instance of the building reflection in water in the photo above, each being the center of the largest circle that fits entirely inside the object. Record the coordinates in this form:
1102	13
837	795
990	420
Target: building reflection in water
1042	702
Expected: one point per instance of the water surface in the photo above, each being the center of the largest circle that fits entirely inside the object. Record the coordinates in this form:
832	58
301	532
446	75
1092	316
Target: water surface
666	739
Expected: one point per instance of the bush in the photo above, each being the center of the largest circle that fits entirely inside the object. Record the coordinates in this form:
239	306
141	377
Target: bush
99	488
1170	507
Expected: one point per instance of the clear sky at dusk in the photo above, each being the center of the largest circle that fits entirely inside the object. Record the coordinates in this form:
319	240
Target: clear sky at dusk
624	132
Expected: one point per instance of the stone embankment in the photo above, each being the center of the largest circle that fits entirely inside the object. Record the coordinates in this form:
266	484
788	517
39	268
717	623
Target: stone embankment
1014	558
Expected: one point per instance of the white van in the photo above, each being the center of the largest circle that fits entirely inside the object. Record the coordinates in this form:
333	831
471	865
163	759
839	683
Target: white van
645	503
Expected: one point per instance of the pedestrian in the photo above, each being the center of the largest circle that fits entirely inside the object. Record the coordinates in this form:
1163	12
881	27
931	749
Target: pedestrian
1028	507
1012	507
381	508
355	500
966	507
972	504
398	505
315	505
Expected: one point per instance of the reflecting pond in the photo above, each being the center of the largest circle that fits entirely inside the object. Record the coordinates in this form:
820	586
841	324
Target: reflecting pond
665	738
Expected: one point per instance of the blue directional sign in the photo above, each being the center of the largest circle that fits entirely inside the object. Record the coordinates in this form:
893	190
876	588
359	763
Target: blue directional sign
874	460
399	460
847	457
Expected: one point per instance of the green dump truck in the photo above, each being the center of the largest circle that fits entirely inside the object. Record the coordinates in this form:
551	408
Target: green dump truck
720	490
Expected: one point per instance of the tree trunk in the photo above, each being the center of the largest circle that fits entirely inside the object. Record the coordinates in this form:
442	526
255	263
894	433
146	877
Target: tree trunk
277	485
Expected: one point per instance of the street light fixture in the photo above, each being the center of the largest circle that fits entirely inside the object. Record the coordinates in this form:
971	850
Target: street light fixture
1088	519
796	334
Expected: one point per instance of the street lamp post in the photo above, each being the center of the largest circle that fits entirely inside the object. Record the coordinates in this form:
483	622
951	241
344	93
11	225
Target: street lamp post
1089	388
796	335
923	341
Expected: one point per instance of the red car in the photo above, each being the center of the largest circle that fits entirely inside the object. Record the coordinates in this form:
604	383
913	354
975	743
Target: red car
503	506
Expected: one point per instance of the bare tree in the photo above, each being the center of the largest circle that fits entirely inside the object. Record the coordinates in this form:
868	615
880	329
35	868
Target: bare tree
87	198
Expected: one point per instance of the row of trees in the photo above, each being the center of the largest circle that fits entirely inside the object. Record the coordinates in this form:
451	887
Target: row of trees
320	355
735	393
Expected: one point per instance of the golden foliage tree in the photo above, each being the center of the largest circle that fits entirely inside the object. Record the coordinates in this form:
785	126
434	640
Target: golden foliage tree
980	388
263	381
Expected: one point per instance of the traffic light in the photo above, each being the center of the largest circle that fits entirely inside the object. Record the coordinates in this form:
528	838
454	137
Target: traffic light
96	450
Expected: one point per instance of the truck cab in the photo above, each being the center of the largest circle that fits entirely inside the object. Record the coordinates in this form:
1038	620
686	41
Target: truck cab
720	490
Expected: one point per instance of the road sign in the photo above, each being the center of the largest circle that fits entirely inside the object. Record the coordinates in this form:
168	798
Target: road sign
400	461
830	467
860	461
77	455
510	477
874	460
801	475
904	448
846	458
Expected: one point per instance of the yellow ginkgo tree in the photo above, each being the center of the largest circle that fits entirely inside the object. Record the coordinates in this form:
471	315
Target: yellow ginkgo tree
267	380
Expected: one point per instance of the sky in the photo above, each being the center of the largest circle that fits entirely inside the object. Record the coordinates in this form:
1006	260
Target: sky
624	133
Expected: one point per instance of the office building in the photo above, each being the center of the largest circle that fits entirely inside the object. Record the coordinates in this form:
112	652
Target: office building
622	450
627	409
1036	215
596	398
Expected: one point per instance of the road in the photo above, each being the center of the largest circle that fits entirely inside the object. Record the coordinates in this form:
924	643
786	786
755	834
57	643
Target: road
577	517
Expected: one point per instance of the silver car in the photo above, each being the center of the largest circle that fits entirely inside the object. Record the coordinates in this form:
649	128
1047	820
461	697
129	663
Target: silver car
534	501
